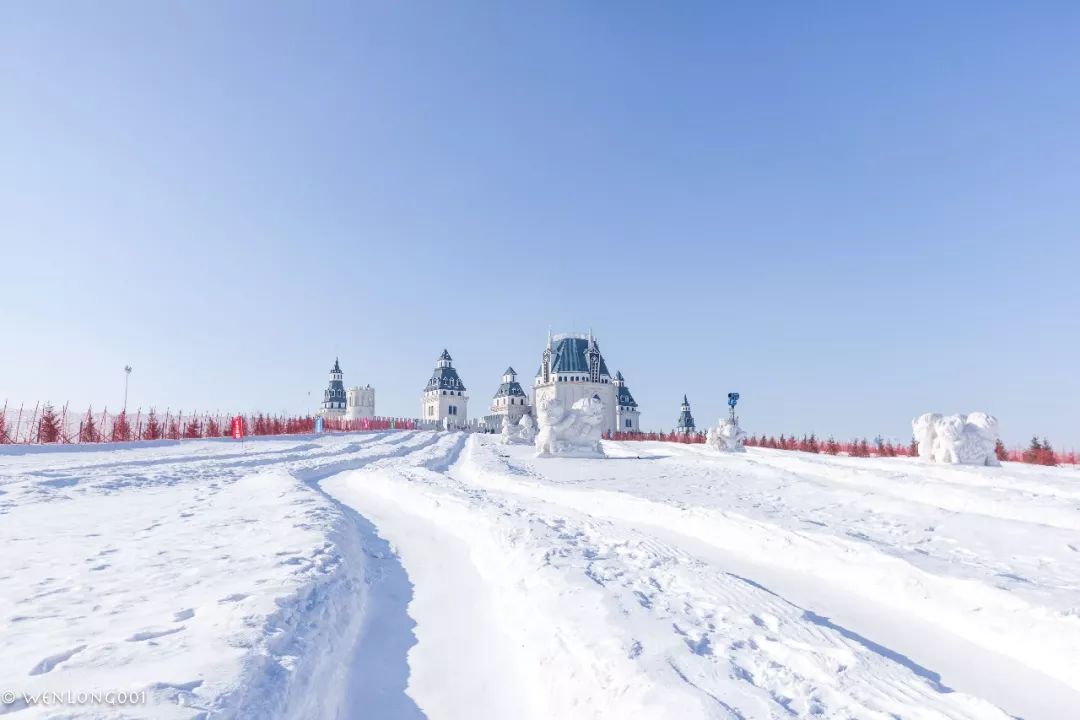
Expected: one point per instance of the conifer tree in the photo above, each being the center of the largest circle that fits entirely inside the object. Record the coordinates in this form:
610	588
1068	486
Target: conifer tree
152	431
88	432
1000	451
121	430
192	429
48	425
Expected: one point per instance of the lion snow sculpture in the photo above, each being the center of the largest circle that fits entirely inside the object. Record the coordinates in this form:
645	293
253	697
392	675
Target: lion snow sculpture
726	437
957	439
573	432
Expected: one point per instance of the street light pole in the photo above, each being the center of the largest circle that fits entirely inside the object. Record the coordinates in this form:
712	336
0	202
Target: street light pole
127	377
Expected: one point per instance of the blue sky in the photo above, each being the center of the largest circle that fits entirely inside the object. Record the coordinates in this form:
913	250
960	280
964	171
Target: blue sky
851	213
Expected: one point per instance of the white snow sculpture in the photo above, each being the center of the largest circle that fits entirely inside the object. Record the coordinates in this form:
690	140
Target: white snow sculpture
957	439
521	433
726	437
527	429
509	435
570	433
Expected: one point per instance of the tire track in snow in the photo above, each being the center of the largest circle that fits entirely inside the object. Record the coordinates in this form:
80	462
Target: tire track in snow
648	620
782	552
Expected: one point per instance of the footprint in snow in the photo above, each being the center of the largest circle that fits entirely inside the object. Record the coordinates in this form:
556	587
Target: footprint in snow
153	634
183	615
235	597
52	661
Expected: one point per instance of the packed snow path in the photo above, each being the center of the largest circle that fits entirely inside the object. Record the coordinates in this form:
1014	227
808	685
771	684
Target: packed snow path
412	575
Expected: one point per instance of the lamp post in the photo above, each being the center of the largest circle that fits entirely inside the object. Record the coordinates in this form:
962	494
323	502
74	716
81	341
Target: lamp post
127	377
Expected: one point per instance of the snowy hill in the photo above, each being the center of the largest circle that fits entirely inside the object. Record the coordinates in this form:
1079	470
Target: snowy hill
419	574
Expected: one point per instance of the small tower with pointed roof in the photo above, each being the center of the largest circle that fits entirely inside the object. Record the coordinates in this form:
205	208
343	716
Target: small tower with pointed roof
626	408
685	425
333	404
444	395
509	403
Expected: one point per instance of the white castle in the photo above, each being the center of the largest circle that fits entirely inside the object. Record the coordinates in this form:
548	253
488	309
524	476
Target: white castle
509	404
572	369
444	400
356	404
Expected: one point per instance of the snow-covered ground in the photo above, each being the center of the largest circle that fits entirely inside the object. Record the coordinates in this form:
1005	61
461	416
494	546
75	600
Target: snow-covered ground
439	575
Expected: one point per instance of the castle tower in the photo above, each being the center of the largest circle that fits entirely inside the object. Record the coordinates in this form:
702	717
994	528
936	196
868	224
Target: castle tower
444	395
626	408
572	368
685	425
510	401
333	404
360	403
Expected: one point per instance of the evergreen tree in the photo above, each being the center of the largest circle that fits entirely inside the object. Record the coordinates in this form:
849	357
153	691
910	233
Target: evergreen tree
88	433
4	438
121	430
152	431
48	425
173	431
1000	451
192	429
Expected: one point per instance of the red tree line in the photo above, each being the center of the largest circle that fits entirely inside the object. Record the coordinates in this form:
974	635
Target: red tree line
47	425
1039	452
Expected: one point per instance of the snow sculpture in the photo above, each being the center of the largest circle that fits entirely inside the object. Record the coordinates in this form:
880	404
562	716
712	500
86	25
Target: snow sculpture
521	433
957	439
570	433
726	437
527	429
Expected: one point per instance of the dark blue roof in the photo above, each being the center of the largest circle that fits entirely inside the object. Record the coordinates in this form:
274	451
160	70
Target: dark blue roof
510	389
335	393
445	378
623	398
686	420
569	356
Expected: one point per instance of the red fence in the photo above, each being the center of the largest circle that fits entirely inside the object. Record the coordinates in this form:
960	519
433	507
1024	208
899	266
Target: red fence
1039	452
45	424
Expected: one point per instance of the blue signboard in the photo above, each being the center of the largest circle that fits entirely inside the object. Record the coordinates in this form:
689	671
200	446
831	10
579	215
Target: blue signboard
732	398
318	425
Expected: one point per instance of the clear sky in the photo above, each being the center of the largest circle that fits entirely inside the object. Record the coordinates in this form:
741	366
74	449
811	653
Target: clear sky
852	213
